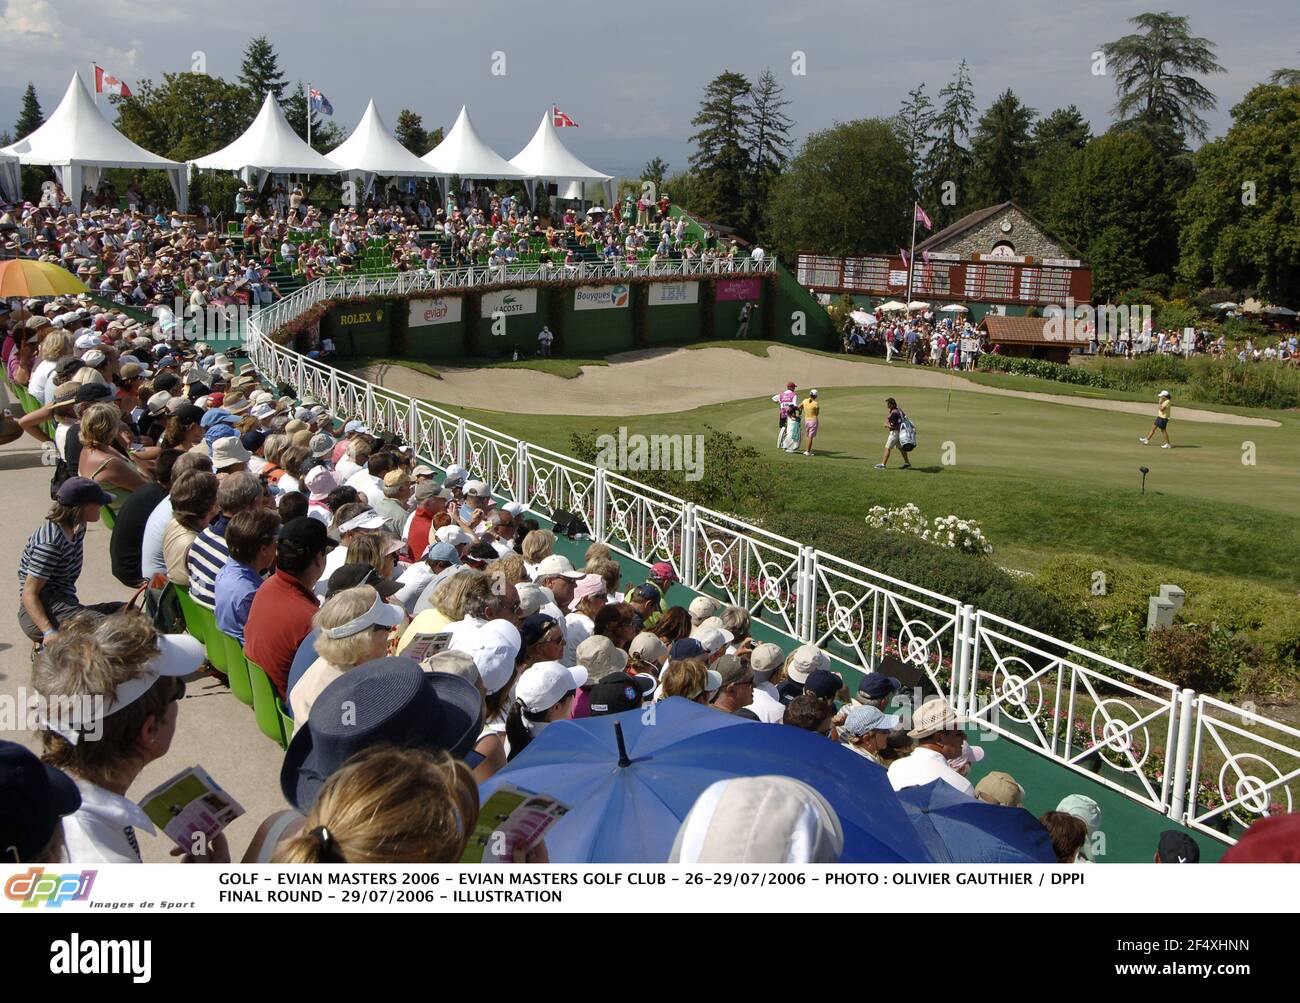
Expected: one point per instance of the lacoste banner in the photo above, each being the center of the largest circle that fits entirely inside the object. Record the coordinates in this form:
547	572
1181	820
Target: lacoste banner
445	310
601	297
509	303
674	293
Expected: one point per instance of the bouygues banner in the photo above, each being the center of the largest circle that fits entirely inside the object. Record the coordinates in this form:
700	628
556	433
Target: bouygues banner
739	289
601	297
444	310
674	293
509	303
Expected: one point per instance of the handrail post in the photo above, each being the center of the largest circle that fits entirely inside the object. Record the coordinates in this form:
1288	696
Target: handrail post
689	542
460	441
412	425
973	661
369	414
598	506
334	392
961	661
806	623
1178	802
521	472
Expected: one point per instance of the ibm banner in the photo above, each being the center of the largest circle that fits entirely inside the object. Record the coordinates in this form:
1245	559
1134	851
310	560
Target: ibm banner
674	293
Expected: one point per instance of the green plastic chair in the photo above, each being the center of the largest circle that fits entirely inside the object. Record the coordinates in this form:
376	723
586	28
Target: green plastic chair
237	668
213	640
266	704
194	621
107	517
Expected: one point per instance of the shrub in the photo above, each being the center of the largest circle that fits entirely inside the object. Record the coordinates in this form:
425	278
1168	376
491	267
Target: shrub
1184	655
1044	370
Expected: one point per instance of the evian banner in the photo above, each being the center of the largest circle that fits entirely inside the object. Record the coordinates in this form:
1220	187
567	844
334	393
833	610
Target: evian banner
601	297
444	310
509	303
674	293
739	289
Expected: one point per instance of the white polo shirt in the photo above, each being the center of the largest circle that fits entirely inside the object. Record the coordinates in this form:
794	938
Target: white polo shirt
103	830
924	766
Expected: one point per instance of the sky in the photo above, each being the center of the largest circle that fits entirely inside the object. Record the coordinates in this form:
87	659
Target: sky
630	75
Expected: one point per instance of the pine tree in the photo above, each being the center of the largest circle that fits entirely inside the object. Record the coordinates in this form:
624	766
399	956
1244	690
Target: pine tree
409	131
914	126
260	72
768	133
1001	146
1152	69
30	118
655	171
948	167
1055	139
721	158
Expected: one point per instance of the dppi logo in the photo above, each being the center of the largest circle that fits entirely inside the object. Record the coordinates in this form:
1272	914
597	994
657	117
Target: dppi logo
618	295
37	887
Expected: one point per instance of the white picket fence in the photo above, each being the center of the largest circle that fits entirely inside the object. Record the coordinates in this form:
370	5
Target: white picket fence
1137	734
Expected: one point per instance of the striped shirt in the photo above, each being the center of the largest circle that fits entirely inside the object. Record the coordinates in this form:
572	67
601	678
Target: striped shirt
50	555
208	554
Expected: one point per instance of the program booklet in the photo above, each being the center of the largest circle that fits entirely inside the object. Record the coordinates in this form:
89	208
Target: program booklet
190	802
511	819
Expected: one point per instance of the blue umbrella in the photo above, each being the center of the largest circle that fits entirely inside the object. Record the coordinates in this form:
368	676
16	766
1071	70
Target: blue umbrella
629	810
958	829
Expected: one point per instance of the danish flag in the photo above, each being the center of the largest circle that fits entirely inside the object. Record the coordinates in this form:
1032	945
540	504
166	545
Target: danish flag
561	120
106	83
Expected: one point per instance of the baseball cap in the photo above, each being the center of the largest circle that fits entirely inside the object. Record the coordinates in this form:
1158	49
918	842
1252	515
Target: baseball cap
306	536
824	683
587	586
1177	848
349	576
395	478
649	647
619	692
702	607
68	366
355	426
730	669
93	393
253	440
321	444
439	551
647	593
477	489
167	381
544	684
494	648
686	647
766	658
369	519
599	656
878	686
969	755
424	490
81	491
453	535
805	659
861	719
1083	808
481	551
759	820
33	798
557	564
1000	788
455	474
534	627
1163	393
663	570
94	358
712	639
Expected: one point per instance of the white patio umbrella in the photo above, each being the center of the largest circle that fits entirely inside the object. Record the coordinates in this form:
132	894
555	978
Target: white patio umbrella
893	305
862	317
918	305
952	308
1279	311
1226	305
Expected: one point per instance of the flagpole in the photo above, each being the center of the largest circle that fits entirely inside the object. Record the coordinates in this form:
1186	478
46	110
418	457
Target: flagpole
309	113
94	83
911	257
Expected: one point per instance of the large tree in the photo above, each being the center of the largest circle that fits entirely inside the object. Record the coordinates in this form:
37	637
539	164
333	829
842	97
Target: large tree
409	131
721	158
950	162
187	116
260	72
1155	83
1055	139
768	134
1240	219
1286	77
914	124
1115	203
30	118
1001	147
655	171
847	191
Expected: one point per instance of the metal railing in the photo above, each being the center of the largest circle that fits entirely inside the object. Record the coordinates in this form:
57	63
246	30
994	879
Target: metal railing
1135	733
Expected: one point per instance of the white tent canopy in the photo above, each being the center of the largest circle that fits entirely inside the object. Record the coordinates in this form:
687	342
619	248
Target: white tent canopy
548	159
372	151
77	141
463	152
11	180
268	146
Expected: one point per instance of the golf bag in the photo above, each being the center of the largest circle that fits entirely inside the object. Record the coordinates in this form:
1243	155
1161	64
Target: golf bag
906	435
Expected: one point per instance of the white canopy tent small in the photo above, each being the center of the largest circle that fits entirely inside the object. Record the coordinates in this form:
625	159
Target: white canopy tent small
546	158
268	146
372	151
77	141
464	154
11	179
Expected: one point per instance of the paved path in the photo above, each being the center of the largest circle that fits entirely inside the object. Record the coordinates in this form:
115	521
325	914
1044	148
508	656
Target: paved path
655	381
214	730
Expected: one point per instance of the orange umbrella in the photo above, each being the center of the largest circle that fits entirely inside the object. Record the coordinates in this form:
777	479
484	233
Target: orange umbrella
25	277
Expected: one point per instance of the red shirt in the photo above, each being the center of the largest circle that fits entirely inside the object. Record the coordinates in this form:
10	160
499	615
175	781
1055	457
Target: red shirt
278	620
417	538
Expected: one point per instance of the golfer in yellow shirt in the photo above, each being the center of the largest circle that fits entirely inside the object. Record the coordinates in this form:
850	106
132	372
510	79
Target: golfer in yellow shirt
1162	421
810	408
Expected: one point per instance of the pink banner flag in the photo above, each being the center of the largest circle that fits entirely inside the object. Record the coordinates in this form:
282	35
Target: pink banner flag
922	218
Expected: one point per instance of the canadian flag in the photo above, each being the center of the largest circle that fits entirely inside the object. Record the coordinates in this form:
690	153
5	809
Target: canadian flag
561	120
106	83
